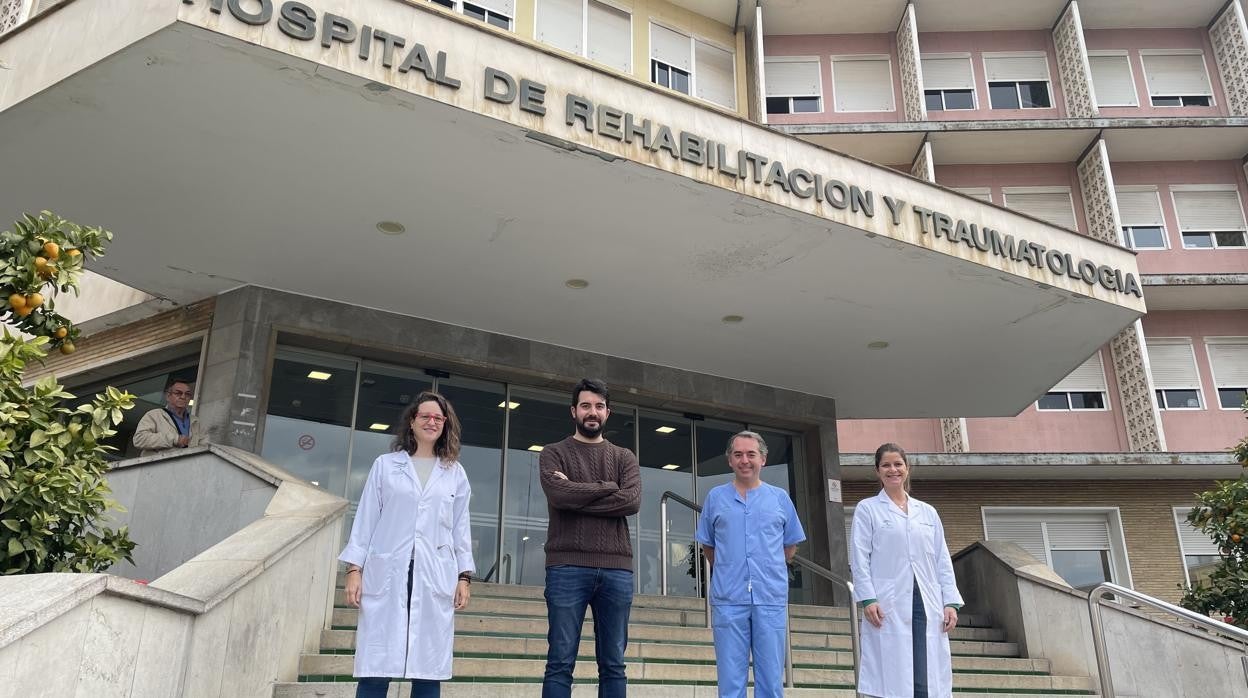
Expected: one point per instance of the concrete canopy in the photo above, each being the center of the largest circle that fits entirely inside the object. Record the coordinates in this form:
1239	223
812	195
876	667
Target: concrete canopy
220	160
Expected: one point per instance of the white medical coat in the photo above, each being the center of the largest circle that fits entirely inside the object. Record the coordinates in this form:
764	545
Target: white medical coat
399	521
890	550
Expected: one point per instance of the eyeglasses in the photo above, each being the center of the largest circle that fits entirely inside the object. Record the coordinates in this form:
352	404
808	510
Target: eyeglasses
431	418
180	393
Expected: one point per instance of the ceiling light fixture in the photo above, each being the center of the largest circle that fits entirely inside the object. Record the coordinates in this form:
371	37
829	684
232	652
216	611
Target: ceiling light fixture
378	426
732	319
391	227
509	405
665	430
671	466
319	375
878	345
536	447
576	283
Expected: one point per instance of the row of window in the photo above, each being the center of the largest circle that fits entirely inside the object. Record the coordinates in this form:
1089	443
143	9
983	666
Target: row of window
1210	216
1015	81
1176	379
1084	546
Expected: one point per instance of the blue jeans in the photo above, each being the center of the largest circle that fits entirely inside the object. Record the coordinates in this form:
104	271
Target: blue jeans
569	590
918	630
372	687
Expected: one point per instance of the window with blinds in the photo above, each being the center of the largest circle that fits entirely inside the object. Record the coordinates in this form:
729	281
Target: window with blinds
589	28
498	13
1172	365
692	66
1143	226
1083	389
1210	217
671	59
948	82
1228	359
1077	545
1018	81
981	193
1178	79
862	84
1112	80
793	85
1199	551
713	76
1053	205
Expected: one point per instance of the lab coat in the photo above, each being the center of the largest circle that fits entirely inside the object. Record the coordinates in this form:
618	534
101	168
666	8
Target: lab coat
399	521
890	551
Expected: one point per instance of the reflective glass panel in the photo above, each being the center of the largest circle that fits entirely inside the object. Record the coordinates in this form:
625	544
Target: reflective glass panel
1003	95
1083	569
307	430
148	389
666	445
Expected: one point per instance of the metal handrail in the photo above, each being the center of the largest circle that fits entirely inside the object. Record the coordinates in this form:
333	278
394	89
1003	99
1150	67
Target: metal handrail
1096	601
829	575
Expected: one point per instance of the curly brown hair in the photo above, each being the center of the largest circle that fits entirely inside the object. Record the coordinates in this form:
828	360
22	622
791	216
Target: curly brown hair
447	446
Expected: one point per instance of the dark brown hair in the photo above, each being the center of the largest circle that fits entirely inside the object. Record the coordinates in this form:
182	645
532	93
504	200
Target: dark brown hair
891	447
447	445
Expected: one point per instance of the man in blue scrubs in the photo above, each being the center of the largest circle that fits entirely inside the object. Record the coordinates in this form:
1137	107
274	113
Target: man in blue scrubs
749	531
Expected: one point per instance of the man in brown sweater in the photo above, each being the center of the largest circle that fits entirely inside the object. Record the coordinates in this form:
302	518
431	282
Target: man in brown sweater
591	486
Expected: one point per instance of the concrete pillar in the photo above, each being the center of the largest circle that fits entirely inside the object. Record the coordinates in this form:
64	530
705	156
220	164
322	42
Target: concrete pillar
1073	66
913	107
1229	36
231	388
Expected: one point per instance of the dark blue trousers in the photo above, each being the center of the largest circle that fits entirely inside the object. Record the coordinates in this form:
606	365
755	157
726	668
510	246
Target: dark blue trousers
918	630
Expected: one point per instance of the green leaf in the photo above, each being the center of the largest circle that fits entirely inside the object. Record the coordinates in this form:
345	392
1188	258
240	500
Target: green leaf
15	547
11	525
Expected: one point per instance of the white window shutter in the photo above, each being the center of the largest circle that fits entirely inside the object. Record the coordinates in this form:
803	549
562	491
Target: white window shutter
1176	74
947	74
559	23
1111	77
1194	541
502	7
1208	210
1140	208
1230	364
862	85
1016	68
714	75
981	193
1173	365
1089	377
793	78
610	37
1055	207
1025	532
1078	534
670	47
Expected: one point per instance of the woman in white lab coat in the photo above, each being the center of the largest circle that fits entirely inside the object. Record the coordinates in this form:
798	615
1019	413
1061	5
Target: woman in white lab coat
409	558
903	578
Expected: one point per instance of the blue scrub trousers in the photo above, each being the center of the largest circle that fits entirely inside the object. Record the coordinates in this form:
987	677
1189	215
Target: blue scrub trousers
918	632
740	630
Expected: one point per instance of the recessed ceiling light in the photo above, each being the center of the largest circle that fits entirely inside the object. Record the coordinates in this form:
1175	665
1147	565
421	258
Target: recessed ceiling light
576	283
391	227
878	345
671	466
509	405
525	538
732	319
665	430
536	447
319	375
378	426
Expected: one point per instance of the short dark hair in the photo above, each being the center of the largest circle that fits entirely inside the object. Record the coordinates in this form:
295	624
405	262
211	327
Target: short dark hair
174	381
594	386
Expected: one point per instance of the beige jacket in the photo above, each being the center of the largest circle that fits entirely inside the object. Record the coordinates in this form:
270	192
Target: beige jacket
157	432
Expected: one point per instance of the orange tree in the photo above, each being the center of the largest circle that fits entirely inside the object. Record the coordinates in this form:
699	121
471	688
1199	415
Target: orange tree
53	491
1222	513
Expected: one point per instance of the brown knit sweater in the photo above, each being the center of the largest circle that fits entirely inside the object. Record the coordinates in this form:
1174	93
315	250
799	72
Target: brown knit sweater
587	524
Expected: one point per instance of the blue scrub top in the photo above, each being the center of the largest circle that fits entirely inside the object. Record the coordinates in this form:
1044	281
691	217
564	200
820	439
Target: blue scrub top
749	536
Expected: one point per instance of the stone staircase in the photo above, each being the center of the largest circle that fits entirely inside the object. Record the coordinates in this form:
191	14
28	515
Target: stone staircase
500	651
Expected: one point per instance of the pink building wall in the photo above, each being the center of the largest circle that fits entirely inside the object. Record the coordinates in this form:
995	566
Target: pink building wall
865	435
1000	177
979	43
1177	260
824	47
1211	428
1132	41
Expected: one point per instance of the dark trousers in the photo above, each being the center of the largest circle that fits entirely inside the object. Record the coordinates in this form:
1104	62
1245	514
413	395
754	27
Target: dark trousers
376	686
571	589
918	629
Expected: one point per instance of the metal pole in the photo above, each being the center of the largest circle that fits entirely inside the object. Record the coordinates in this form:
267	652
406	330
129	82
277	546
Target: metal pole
855	642
706	596
788	646
1098	643
663	545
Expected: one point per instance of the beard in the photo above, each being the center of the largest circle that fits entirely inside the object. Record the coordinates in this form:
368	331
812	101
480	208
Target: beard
590	432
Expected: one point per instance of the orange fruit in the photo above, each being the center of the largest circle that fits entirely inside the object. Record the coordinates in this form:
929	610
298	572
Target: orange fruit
17	301
74	253
34	300
61	332
23	312
40	262
67	348
52	250
1235	537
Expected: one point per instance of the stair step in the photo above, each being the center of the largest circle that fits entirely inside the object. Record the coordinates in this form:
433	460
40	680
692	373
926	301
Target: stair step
476	668
474	621
464	689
